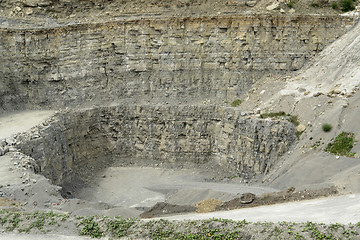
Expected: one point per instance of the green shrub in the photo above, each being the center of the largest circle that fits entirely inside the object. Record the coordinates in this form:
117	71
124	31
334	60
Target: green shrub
347	5
236	103
291	4
342	145
334	5
326	127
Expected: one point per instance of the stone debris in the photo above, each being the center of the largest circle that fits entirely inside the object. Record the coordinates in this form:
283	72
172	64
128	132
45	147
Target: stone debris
207	205
250	3
274	6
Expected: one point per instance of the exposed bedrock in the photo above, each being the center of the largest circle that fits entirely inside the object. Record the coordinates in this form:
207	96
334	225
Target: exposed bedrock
74	145
218	56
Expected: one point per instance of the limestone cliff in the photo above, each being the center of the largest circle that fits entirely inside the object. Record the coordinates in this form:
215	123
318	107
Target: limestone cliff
192	57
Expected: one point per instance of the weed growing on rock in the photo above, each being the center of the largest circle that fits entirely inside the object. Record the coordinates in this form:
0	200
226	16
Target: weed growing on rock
14	221
90	228
291	4
273	114
291	118
236	103
326	127
314	4
342	145
120	227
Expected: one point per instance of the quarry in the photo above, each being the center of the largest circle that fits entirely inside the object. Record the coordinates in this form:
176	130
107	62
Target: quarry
145	110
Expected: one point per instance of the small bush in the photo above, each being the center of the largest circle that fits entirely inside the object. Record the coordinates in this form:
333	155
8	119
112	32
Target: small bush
334	6
342	145
347	5
326	127
291	4
236	103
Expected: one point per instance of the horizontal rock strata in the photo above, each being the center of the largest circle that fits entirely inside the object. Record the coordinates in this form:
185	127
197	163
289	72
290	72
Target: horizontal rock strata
217	56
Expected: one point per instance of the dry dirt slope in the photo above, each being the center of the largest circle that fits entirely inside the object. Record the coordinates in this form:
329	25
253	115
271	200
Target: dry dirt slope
324	92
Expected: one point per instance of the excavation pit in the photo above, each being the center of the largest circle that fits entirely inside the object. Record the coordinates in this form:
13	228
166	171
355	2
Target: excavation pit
164	149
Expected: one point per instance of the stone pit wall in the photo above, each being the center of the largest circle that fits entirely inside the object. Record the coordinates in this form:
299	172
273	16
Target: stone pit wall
73	146
199	57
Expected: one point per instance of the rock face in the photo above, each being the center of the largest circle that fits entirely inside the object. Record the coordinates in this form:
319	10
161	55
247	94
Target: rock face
219	56
74	144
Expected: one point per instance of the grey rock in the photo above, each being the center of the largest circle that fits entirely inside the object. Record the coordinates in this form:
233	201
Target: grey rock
275	5
251	3
46	77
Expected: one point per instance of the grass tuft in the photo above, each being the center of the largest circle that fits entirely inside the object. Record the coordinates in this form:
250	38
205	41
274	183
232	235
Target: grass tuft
326	127
236	103
291	118
342	145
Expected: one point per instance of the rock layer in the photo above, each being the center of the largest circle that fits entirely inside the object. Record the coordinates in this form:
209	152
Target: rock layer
199	57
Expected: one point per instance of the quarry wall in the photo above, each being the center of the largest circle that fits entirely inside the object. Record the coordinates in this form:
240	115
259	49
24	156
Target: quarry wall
199	57
72	145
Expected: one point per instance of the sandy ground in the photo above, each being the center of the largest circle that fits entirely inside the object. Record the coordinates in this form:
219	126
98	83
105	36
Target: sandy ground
11	124
143	187
342	209
16	122
14	236
135	189
326	91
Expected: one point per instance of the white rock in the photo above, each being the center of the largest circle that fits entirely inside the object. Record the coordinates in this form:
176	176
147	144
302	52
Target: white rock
275	5
292	11
301	128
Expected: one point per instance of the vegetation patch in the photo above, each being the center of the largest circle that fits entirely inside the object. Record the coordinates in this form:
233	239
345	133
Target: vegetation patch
291	4
291	118
342	145
236	103
119	228
326	127
90	228
347	5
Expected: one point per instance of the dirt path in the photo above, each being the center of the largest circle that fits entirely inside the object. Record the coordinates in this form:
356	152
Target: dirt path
342	209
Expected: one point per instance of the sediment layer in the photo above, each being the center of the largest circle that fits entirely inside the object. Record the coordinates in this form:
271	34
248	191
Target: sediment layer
189	57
